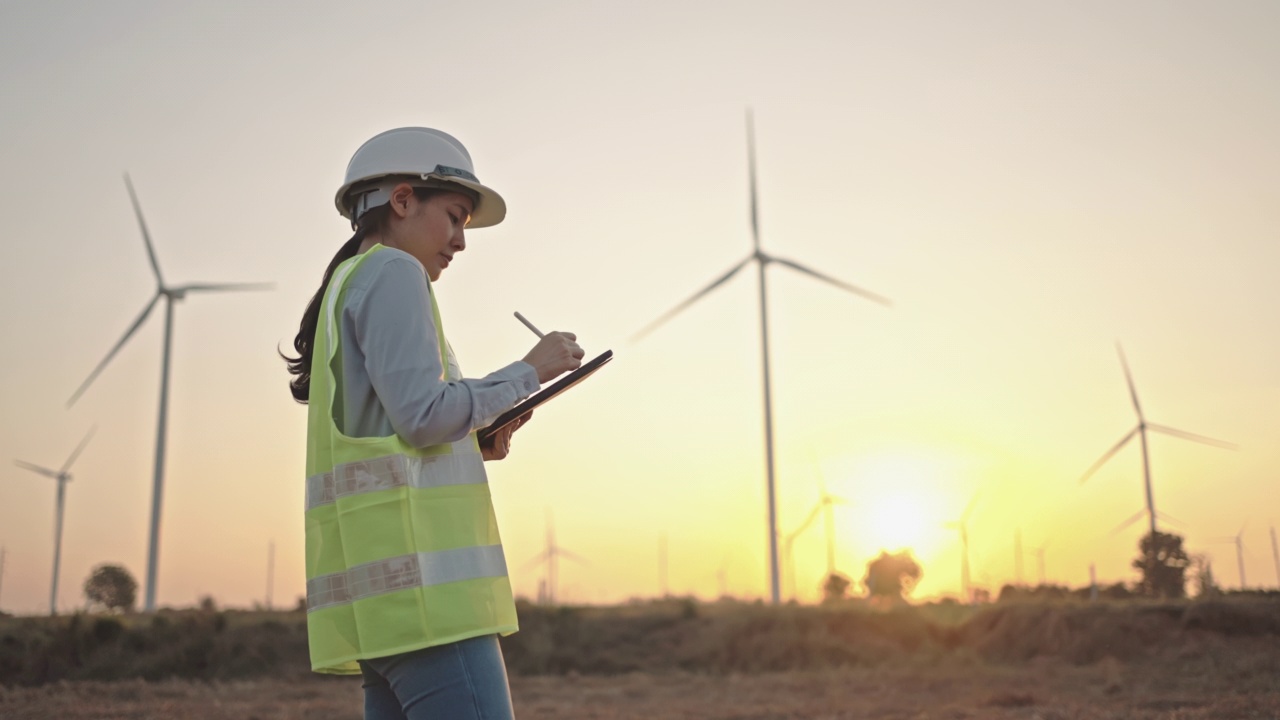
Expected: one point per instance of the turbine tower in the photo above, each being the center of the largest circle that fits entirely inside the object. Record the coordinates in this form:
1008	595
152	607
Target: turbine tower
762	260
1140	431
1017	556
662	565
62	477
1238	541
1275	553
171	295
1039	552
962	525
550	556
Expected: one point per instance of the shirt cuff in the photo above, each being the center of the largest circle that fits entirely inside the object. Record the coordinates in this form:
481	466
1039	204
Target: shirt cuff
524	376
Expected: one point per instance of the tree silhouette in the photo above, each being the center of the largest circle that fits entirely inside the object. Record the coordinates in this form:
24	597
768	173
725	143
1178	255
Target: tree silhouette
112	587
1163	563
835	587
1202	576
892	576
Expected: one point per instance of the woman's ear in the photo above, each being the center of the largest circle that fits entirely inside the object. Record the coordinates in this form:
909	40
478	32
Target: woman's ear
400	196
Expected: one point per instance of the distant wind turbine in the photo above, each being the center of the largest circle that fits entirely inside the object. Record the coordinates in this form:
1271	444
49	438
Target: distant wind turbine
271	572
1140	431
1238	541
63	477
550	557
1039	552
171	295
662	565
1275	553
1017	556
962	525
762	260
825	503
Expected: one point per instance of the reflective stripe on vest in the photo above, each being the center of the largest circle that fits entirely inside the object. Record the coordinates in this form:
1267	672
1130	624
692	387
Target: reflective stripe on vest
391	471
403	550
407	571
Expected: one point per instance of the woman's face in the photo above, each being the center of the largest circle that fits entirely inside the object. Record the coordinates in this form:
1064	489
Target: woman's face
431	230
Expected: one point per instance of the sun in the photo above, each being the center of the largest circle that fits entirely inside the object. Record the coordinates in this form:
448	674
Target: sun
899	501
897	520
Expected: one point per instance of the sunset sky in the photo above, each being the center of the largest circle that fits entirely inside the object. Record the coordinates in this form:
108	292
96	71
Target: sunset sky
1029	183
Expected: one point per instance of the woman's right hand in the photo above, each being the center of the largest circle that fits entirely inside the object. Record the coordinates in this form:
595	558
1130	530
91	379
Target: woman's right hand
555	353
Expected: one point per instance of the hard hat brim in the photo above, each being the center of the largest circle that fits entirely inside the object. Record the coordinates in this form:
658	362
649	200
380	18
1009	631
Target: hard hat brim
490	209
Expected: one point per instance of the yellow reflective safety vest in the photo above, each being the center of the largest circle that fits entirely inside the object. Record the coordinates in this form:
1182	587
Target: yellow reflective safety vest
402	543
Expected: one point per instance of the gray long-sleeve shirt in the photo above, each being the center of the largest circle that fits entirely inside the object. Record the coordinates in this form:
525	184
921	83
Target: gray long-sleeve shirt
391	377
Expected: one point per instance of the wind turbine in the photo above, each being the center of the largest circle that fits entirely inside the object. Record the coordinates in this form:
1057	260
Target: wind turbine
271	572
1238	541
1141	432
825	503
662	565
171	295
962	525
63	477
1017	556
1039	552
1275	553
550	557
762	260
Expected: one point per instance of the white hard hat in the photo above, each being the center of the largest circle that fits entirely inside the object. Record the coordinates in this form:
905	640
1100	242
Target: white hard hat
424	157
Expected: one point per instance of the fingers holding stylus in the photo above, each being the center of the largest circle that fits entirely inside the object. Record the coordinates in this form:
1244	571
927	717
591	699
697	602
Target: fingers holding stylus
556	353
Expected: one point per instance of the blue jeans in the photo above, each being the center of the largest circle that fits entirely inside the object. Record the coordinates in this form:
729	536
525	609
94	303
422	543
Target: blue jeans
466	680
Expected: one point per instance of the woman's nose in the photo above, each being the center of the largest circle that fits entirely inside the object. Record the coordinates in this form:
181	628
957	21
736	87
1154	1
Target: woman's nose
460	241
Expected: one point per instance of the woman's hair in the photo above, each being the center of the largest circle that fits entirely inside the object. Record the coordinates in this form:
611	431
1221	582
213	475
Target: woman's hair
372	222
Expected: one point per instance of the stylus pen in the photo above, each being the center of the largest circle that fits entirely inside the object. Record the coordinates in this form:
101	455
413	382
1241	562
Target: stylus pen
528	324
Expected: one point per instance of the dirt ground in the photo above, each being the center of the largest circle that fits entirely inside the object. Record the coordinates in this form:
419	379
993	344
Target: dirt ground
955	690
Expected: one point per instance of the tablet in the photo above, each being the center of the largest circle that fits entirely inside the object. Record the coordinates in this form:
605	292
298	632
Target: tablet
582	373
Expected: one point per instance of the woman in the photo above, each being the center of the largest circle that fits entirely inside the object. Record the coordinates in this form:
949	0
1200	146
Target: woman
406	579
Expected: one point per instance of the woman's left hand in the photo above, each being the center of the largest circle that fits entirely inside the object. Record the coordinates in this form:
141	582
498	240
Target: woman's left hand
499	444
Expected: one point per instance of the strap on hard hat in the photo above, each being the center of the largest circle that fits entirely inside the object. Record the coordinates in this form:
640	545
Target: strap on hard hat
363	199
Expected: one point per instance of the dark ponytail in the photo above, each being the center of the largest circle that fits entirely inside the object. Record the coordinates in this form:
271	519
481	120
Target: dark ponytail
372	222
304	343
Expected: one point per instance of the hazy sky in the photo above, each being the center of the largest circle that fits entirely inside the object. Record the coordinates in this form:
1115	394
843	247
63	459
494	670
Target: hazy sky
1029	183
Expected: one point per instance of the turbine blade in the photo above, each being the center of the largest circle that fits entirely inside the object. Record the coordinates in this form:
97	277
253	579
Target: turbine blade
1170	519
968	509
1192	436
751	172
128	334
79	449
572	556
813	515
1136	517
203	287
146	236
838	283
696	296
1133	392
1102	461
534	561
36	469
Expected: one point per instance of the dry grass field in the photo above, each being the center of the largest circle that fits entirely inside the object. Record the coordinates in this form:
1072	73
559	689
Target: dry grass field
1047	690
1172	661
